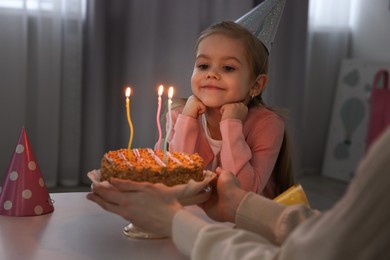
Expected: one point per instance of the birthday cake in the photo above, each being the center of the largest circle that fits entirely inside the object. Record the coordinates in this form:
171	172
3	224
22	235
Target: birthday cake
147	165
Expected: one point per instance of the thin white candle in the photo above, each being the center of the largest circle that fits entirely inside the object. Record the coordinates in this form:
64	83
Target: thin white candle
170	95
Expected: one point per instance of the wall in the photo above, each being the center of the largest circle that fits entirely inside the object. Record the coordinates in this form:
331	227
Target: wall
371	30
369	51
369	40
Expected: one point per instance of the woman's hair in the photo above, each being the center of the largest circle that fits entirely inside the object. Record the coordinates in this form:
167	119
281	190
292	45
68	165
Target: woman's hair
257	57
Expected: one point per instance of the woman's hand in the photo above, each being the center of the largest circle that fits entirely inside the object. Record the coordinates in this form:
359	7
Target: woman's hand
194	107
146	205
234	111
225	197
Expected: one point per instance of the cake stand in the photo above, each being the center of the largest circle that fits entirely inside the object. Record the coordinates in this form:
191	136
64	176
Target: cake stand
133	231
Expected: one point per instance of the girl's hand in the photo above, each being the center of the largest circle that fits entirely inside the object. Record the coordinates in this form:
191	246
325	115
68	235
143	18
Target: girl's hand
225	197
194	107
234	111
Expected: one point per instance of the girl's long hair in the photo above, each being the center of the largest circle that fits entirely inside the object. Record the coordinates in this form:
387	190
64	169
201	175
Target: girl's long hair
257	56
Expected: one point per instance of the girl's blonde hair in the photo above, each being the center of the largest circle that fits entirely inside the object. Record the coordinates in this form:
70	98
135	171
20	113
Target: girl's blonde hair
257	57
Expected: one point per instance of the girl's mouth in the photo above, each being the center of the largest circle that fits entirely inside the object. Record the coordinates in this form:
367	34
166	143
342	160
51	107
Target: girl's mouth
211	87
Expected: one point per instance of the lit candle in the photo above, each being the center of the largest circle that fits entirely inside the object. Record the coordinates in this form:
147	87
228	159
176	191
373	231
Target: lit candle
170	95
128	93
160	92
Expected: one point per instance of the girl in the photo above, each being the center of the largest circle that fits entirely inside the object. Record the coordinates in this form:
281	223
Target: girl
225	120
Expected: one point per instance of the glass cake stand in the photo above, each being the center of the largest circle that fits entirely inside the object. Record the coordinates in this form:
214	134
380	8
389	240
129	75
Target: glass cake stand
133	231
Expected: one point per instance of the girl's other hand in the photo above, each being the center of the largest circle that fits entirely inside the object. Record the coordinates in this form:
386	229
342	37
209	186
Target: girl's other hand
194	107
234	111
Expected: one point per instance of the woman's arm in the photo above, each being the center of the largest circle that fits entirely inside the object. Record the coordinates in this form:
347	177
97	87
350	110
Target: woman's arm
260	222
201	240
355	228
271	220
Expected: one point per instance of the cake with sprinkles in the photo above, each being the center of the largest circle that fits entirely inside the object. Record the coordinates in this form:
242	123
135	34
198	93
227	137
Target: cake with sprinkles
148	165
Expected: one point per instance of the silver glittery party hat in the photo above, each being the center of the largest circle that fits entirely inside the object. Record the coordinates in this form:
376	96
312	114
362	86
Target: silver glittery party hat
263	20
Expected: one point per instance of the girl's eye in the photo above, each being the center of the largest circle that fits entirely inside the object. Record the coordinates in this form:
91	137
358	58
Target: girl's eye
228	68
202	66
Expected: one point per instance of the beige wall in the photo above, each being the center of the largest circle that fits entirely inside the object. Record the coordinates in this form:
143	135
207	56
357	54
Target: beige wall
371	30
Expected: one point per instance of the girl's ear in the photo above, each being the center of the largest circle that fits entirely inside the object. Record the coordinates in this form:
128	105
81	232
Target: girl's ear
259	85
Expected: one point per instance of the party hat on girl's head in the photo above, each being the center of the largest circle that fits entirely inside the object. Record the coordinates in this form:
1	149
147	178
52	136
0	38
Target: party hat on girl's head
23	192
263	21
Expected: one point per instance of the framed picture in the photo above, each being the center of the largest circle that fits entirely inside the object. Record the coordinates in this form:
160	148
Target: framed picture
347	133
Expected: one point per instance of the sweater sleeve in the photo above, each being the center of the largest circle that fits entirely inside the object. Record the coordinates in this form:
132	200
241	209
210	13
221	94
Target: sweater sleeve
184	133
260	223
357	227
201	240
252	158
271	220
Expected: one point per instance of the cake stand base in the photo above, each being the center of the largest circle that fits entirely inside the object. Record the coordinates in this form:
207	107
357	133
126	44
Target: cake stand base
133	231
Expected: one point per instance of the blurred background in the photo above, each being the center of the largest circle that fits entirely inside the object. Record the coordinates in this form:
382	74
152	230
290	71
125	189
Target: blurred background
64	66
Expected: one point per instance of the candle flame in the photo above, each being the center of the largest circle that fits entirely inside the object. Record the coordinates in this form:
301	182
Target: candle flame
128	92
170	92
160	90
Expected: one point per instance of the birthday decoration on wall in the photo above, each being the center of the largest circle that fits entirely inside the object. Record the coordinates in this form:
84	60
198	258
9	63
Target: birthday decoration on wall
23	191
347	135
351	114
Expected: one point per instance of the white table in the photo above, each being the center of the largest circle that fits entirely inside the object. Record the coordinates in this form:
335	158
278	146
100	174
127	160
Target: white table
78	229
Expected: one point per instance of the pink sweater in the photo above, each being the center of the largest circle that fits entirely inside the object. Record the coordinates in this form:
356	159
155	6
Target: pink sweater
249	149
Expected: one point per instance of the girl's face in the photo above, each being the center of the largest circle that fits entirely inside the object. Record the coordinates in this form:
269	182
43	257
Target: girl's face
221	73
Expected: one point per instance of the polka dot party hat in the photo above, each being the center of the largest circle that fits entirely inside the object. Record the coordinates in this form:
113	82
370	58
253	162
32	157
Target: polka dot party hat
23	192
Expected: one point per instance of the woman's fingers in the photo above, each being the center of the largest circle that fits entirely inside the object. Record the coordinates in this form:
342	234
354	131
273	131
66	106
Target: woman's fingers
129	185
106	205
111	195
195	199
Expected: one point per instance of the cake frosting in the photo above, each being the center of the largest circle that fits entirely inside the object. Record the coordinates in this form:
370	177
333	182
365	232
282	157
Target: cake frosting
145	164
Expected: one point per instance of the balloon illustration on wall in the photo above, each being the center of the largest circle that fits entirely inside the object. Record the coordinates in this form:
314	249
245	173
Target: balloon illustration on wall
352	113
352	78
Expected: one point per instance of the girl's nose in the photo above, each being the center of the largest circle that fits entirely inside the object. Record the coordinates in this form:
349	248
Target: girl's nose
212	75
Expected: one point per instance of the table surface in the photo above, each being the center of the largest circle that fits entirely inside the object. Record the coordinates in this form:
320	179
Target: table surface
79	229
